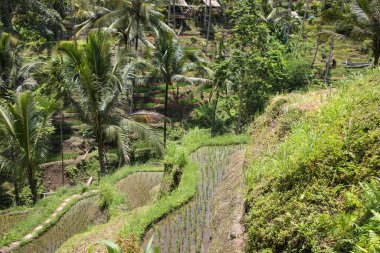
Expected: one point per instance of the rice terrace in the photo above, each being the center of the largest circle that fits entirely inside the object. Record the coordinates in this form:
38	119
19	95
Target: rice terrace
189	126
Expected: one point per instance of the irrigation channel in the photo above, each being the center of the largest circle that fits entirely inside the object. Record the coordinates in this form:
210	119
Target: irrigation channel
137	188
188	229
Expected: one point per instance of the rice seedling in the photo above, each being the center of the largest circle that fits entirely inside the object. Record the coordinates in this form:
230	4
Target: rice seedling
188	229
75	220
8	220
138	188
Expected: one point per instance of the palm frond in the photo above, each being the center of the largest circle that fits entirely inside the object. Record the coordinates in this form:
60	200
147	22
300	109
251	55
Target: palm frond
144	132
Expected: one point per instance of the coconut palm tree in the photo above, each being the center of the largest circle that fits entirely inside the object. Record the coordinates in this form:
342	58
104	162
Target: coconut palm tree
14	75
131	18
284	20
363	19
96	79
172	64
27	127
366	23
302	26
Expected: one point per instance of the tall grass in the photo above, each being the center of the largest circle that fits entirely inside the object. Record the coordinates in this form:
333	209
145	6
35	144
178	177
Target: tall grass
305	196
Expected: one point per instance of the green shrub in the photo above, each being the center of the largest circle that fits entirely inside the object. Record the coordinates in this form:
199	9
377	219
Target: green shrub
109	197
298	74
81	172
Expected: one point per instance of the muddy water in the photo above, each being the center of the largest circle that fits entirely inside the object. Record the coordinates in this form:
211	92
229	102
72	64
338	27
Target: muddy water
7	221
139	188
188	229
138	191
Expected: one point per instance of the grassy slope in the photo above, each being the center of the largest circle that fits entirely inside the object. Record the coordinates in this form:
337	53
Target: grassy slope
303	180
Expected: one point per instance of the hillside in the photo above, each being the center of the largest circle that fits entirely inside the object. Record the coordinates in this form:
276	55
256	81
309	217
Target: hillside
312	175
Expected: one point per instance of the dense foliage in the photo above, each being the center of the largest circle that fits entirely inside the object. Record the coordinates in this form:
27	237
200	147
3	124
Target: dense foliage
311	194
88	86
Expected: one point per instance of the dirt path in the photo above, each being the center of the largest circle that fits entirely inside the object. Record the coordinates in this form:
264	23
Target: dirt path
228	209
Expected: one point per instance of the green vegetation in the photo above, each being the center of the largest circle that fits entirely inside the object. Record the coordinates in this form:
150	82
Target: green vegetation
46	206
187	188
27	128
313	188
38	214
112	87
58	157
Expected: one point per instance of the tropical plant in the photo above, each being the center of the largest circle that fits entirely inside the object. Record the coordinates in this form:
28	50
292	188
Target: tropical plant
52	75
131	18
31	19
26	125
284	20
302	26
255	64
363	22
171	64
95	81
13	74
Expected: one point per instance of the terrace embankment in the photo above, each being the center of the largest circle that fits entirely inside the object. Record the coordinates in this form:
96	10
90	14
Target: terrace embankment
188	229
139	189
227	230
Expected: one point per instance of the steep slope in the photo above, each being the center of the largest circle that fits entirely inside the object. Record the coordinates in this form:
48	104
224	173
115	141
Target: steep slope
312	157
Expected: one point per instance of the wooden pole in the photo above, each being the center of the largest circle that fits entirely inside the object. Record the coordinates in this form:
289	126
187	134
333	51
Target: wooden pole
329	60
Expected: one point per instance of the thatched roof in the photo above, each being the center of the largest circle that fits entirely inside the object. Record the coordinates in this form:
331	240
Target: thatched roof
181	3
214	3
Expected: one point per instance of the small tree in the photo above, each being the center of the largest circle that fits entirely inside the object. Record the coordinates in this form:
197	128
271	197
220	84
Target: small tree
256	62
95	82
172	64
27	127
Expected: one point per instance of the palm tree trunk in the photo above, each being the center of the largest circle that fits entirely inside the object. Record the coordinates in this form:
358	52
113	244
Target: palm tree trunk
204	20
101	154
137	36
302	26
376	50
213	130
61	139
209	25
74	19
177	95
238	125
17	192
32	183
329	61
315	54
132	97
174	16
166	110
169	10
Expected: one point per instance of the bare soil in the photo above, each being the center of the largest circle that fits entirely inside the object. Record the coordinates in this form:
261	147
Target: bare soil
52	177
228	232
